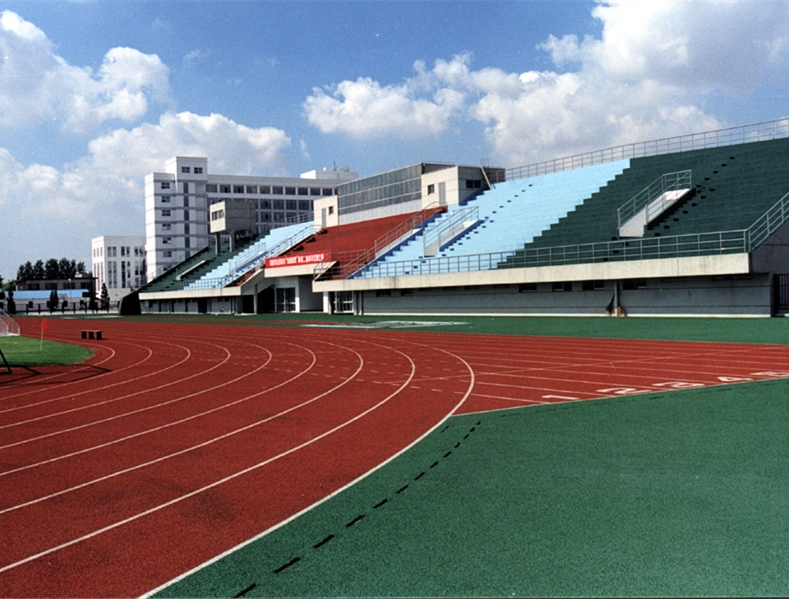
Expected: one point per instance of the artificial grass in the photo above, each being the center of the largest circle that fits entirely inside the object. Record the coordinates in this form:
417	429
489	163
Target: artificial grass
740	330
672	494
29	352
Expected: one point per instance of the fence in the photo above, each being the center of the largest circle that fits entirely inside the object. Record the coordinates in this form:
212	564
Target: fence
700	244
764	131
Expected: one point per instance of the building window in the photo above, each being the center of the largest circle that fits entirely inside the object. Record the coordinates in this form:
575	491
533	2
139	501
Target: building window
290	191
165	185
185	169
527	288
277	191
327	192
279	204
198	170
166	213
291	205
631	284
166	199
224	188
168	253
211	188
431	189
305	205
238	189
562	286
166	227
167	240
331	210
315	191
473	184
303	191
593	285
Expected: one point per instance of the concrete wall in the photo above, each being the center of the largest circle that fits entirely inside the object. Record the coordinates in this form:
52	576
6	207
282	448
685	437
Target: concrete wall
743	295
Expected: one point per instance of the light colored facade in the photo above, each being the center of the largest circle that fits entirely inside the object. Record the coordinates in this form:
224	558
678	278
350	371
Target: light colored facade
119	263
178	200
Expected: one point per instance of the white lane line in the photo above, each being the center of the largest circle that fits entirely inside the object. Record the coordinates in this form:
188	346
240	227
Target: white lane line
341	489
220	481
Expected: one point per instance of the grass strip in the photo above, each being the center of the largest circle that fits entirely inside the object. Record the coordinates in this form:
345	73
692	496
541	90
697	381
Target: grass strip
28	352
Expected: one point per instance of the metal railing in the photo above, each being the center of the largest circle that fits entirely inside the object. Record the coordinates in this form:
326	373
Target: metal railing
768	222
725	242
450	227
644	199
700	244
763	131
351	262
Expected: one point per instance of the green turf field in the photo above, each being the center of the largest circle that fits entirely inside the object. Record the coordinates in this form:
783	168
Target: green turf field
741	330
25	351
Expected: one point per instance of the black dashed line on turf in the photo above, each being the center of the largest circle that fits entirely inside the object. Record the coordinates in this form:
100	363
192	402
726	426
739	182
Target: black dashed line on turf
354	521
245	591
288	565
378	505
320	544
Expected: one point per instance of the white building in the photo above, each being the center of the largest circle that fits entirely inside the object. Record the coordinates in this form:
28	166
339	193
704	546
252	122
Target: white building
118	263
177	204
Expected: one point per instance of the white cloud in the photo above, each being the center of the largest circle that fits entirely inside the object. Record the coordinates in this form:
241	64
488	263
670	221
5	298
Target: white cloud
646	76
102	193
365	109
38	85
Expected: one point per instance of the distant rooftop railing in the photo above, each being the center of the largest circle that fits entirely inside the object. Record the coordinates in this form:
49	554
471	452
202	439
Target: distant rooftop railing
732	136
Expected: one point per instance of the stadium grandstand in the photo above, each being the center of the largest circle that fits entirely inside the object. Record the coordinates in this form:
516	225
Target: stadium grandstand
692	225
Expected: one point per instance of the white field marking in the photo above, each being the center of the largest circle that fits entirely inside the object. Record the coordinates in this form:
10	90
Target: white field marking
521	399
330	495
70	396
158	428
222	480
589	371
534	388
55	376
563	397
625	391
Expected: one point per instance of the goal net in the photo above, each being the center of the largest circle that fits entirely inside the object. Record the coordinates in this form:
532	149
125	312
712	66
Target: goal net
8	326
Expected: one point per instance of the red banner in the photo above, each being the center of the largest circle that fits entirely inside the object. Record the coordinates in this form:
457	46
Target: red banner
298	260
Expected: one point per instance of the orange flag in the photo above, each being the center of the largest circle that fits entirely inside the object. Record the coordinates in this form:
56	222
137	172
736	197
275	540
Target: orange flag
44	324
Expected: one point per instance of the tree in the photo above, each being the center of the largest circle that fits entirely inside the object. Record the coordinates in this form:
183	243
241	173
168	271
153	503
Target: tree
105	297
38	271
52	304
52	269
2	291
25	272
11	302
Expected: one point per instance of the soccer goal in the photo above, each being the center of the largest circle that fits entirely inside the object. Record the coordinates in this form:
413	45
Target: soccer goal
8	328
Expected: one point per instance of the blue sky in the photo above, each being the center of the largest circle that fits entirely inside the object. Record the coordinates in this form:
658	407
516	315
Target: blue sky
95	94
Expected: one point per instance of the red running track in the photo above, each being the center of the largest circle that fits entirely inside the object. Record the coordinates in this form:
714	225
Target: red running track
176	443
